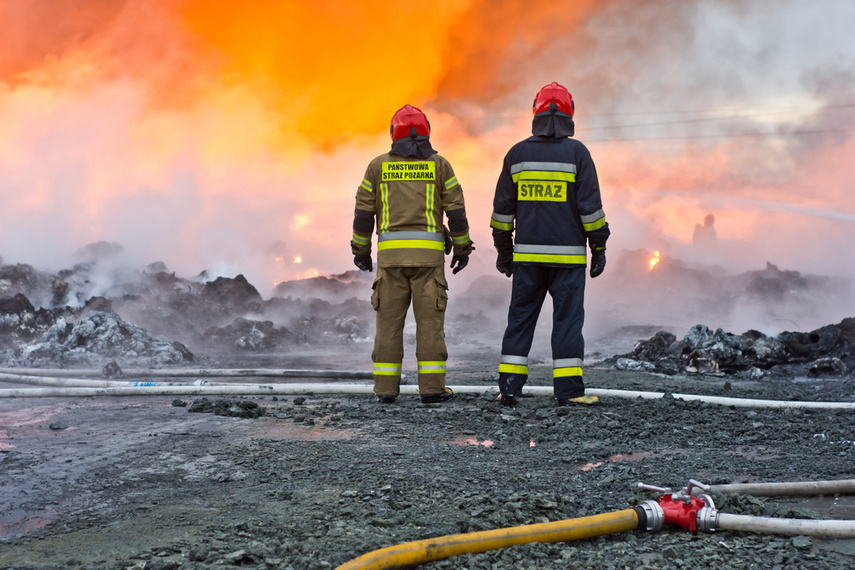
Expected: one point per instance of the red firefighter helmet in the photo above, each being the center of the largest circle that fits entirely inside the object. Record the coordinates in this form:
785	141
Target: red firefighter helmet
406	118
554	93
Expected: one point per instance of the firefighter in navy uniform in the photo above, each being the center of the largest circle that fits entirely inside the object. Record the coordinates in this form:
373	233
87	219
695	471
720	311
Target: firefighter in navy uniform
547	208
406	191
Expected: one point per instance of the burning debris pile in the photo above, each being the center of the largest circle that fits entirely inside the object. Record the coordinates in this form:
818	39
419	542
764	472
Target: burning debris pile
827	351
97	312
35	338
100	310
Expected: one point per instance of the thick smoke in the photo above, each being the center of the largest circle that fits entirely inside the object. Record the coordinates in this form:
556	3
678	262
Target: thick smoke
209	137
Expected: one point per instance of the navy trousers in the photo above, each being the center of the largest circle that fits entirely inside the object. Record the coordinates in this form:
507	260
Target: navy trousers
566	286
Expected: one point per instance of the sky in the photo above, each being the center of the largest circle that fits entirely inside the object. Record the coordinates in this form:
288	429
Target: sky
230	137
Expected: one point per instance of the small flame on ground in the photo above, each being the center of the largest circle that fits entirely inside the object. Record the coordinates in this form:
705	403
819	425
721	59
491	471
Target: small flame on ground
298	259
654	260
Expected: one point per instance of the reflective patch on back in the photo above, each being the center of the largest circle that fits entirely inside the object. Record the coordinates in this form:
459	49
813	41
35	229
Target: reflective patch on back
542	190
408	170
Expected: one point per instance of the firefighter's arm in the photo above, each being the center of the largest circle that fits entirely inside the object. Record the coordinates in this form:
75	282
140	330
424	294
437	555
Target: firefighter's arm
502	221
455	211
363	225
590	207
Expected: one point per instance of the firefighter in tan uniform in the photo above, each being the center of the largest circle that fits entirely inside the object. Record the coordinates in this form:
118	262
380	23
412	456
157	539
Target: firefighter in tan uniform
406	191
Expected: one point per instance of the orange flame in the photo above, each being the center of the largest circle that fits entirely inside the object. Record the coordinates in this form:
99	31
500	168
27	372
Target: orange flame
654	260
168	102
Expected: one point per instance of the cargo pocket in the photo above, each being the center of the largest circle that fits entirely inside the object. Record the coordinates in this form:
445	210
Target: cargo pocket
441	293
375	293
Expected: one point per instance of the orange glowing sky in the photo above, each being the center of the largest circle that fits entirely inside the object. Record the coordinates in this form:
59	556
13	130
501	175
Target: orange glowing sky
231	136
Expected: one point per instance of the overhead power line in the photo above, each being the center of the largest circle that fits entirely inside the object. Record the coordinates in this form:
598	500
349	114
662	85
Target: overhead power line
805	132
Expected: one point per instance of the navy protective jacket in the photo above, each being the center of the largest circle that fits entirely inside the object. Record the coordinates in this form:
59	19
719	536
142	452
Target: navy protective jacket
549	195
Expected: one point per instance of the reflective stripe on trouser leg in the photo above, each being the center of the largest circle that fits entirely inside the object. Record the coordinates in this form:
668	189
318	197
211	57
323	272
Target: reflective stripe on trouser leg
387	378
567	288
430	375
391	300
513	373
430	298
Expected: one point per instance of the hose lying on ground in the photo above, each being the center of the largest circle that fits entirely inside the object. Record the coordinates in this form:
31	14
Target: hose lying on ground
192	372
678	508
796	488
422	551
284	389
791	527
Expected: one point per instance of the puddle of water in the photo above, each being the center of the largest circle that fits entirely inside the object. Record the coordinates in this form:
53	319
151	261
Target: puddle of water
5	446
841	507
815	379
20	523
473	441
626	457
278	430
589	466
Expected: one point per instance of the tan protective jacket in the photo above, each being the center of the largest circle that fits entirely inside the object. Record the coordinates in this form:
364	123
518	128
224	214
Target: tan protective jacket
407	197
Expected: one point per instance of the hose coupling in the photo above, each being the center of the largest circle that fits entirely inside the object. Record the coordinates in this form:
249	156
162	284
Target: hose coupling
708	515
654	515
681	508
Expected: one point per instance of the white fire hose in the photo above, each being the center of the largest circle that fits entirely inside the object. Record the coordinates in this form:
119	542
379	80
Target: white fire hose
788	489
792	527
65	386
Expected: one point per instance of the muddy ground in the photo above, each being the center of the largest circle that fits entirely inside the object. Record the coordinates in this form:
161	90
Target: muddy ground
143	482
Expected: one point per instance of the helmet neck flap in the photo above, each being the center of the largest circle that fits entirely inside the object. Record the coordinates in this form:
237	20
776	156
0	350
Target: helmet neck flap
417	146
553	125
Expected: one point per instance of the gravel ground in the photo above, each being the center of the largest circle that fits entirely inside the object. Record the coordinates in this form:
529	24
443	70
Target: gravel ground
315	481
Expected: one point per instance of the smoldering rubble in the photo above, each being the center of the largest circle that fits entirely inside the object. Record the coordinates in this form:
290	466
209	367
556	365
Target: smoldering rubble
154	318
99	311
827	351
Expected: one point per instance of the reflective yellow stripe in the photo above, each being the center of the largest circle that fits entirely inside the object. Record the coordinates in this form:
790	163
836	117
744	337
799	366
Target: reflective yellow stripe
451	182
551	258
431	221
360	240
387	369
367	185
513	368
544	175
502	225
461	239
410	244
384	198
565	372
594	225
432	367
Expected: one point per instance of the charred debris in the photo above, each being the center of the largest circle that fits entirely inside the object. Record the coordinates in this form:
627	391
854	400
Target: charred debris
91	315
101	311
827	351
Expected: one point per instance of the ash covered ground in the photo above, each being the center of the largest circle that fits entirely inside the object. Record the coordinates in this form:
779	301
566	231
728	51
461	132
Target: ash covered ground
308	482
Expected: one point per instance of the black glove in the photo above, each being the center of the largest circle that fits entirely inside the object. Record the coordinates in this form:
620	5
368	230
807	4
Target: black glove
363	261
461	261
448	242
505	263
598	261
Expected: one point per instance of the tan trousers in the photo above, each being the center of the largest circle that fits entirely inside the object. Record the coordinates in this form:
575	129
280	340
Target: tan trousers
394	288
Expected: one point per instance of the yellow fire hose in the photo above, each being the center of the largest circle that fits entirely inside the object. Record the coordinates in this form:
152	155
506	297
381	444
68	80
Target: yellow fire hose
421	551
